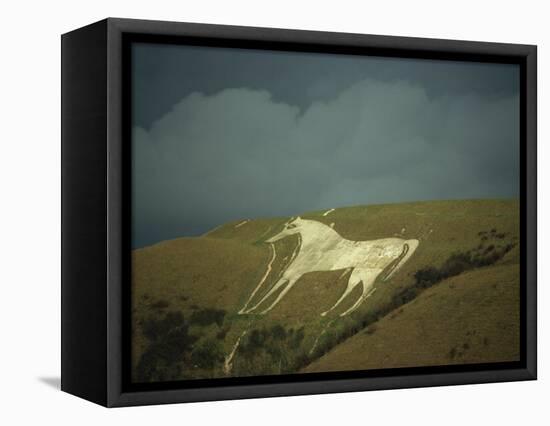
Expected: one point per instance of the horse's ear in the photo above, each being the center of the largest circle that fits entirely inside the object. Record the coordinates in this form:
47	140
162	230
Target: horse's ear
298	218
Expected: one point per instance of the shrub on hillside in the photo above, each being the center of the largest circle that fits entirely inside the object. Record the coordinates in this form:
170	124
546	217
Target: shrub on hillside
207	316
222	333
427	276
460	262
169	342
455	264
207	355
296	338
278	332
270	350
160	304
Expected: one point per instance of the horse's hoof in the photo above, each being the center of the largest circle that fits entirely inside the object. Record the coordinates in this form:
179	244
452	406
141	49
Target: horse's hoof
324	314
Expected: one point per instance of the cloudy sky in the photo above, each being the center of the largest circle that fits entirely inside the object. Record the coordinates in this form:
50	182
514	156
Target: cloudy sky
228	134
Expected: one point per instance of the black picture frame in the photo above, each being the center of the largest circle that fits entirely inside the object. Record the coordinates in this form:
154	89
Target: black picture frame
96	208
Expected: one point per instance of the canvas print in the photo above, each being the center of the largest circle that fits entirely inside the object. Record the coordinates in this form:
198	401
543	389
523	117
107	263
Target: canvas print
298	213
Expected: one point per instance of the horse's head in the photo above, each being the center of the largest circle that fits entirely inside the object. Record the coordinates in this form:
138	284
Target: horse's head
292	227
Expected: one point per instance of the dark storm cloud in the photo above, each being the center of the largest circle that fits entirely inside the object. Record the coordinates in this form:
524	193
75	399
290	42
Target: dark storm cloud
165	74
243	147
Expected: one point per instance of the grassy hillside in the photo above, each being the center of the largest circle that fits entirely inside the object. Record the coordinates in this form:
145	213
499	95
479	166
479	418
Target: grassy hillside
463	278
470	318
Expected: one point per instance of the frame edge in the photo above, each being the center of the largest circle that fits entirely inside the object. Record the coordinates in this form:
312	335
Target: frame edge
116	28
83	219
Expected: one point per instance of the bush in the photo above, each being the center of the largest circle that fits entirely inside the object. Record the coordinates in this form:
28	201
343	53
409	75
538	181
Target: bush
169	342
222	333
490	248
371	329
455	265
458	263
278	332
160	304
256	339
427	276
207	316
207	355
155	329
297	338
271	350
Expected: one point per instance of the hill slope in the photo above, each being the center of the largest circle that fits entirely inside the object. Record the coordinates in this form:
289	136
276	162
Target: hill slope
470	318
186	295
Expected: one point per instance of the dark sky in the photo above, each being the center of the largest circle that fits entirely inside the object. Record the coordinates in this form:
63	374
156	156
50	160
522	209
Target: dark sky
229	134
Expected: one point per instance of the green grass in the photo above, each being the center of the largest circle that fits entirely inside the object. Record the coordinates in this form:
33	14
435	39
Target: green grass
203	277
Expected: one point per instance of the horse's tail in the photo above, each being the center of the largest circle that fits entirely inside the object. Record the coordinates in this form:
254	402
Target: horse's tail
409	247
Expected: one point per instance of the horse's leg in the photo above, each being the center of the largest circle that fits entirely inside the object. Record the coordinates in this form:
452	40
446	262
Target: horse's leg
352	282
282	294
358	302
267	272
273	289
367	277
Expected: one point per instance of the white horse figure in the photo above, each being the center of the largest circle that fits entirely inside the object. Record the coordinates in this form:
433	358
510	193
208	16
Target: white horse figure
323	249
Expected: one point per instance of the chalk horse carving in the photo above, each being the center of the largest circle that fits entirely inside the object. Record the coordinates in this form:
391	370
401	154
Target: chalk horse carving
321	248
